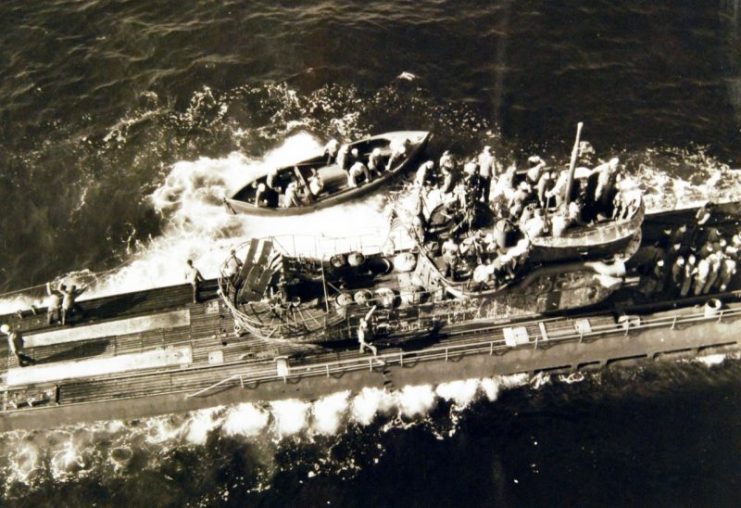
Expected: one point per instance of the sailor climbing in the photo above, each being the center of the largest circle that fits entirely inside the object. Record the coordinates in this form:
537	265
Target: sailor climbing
365	333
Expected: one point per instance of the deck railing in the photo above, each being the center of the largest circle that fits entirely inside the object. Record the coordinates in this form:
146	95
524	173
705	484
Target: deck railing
465	348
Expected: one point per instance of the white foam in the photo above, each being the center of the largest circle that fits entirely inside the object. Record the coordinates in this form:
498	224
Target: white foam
329	411
289	416
200	424
491	388
462	393
415	400
368	403
711	360
245	420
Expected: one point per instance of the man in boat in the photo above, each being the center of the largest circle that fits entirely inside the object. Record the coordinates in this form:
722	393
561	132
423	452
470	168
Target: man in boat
701	274
316	184
604	191
677	275
343	158
375	162
69	305
265	197
486	171
292	196
193	275
365	333
450	255
536	168
545	184
424	173
54	309
535	226
715	260
399	151
358	171
727	272
15	345
331	149
687	277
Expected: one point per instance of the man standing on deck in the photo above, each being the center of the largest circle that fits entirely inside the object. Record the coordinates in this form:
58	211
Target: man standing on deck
54	309
15	346
69	295
365	333
486	169
193	276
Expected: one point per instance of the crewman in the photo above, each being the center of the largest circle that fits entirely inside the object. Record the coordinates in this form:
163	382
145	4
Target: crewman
272	181
193	276
399	151
375	162
559	187
689	268
486	171
15	345
233	265
545	183
331	149
536	167
606	179
424	173
365	333
54	309
450	255
316	184
69	297
678	274
358	171
449	178
291	197
447	162
535	226
343	158
727	272
700	273
715	262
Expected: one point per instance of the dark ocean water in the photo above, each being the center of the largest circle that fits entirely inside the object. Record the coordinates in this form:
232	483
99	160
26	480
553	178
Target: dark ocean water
121	122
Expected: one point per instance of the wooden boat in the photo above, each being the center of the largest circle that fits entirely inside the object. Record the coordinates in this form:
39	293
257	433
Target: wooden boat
602	239
336	189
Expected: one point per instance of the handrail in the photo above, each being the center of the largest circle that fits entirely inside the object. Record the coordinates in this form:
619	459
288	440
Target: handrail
490	345
256	374
212	386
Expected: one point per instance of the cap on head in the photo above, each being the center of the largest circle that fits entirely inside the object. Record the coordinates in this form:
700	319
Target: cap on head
190	262
533	160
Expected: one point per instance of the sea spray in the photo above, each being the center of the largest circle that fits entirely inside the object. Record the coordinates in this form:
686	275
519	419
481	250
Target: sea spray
246	420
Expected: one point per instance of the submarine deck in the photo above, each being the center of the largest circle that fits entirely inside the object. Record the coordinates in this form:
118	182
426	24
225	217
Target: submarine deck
153	352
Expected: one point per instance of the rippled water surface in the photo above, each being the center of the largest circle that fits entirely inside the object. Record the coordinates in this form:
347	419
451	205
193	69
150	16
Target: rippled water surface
124	123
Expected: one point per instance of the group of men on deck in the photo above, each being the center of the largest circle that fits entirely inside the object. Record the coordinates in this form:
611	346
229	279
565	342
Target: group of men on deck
61	304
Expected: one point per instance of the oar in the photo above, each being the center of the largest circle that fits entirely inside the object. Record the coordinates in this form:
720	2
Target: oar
572	163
